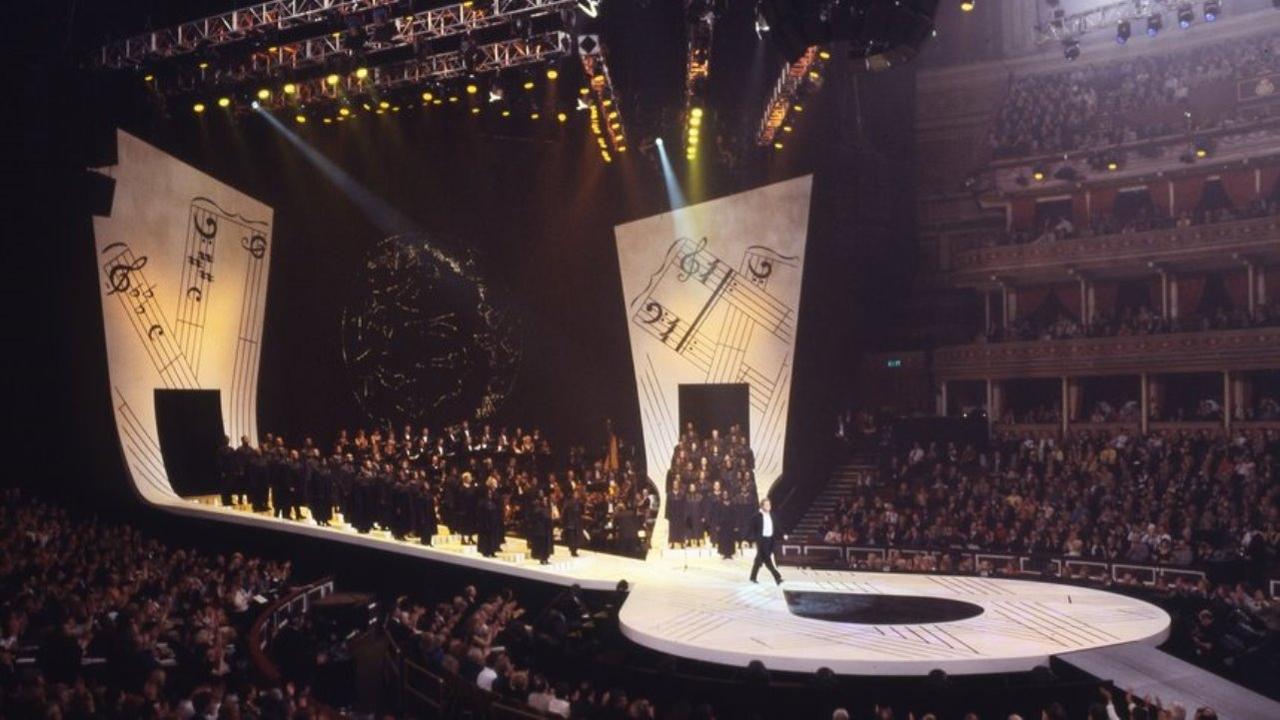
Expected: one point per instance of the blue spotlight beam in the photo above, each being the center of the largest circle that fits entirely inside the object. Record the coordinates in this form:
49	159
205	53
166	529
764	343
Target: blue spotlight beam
674	196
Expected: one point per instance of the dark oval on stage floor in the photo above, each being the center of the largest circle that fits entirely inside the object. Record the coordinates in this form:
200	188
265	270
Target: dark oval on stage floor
878	609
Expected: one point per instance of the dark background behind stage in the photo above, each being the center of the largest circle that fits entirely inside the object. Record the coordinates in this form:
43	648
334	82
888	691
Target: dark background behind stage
538	211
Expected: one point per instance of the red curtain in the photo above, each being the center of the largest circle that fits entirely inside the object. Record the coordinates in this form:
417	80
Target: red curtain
1079	209
1186	193
1103	201
1270	176
1104	296
1160	196
1023	210
1190	292
1239	186
1069	294
1030	299
1238	288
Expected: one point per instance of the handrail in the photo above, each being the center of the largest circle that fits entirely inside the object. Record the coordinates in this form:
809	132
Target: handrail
1145	573
270	620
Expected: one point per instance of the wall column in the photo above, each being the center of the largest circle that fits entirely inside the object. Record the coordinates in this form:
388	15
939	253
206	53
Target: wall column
1144	403
942	399
1251	273
1066	406
1228	407
1165	307
986	310
1173	297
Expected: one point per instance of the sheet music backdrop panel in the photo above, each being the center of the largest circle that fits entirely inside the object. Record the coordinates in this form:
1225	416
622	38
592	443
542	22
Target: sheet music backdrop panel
711	294
182	264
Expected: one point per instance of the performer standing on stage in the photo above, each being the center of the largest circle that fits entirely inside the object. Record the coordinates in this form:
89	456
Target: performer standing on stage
762	530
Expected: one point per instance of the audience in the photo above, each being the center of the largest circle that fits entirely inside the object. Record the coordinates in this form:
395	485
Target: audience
101	622
1107	103
1129	321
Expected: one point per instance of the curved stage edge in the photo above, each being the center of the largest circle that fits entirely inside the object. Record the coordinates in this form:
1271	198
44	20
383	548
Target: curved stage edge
703	608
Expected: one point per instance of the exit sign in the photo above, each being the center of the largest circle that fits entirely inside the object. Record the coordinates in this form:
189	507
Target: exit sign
893	363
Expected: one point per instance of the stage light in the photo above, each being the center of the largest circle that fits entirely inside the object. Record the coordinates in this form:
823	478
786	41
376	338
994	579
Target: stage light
1123	31
332	79
437	101
148	77
1186	15
1155	23
1201	152
475	111
1112	165
343	111
362	73
384	104
786	128
552	73
659	142
224	102
255	105
798	107
695	122
696	112
506	113
777	145
300	119
1037	175
472	88
1212	9
328	121
813	75
264	94
495	94
584	91
967	5
534	116
453	98
1071	49
528	85
562	116
290	89
203	65
198	108
824	54
395	108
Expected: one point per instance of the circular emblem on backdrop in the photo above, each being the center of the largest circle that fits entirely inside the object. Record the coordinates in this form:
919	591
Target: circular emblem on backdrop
425	339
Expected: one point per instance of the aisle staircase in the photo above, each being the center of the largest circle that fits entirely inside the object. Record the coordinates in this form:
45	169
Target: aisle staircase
844	478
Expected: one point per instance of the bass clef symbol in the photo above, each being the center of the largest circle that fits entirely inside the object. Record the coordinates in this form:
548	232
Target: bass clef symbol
256	245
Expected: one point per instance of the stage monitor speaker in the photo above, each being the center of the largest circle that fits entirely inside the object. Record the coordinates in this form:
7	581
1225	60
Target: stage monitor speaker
716	406
190	427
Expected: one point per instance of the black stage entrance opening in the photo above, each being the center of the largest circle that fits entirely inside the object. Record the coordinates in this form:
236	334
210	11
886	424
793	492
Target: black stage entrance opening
878	609
716	406
190	427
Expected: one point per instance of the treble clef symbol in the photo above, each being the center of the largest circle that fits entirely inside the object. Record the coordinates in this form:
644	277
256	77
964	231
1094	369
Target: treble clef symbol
256	245
689	264
118	274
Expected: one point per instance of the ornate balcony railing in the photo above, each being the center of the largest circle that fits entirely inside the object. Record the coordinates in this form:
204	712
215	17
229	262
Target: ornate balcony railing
1209	351
1191	246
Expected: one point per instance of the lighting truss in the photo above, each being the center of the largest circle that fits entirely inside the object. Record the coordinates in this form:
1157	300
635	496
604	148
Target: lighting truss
602	103
1101	17
785	93
699	25
262	23
498	56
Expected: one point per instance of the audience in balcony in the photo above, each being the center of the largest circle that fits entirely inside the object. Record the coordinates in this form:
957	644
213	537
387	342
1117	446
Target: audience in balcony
1168	497
1141	320
1143	218
1107	103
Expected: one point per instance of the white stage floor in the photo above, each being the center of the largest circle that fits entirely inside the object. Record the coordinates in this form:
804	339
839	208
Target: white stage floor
701	607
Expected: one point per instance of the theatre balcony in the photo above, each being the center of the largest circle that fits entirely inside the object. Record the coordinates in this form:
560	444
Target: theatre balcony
1193	249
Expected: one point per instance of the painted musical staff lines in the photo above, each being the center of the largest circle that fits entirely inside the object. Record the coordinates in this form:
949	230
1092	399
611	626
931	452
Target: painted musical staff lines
241	418
127	282
140	448
197	276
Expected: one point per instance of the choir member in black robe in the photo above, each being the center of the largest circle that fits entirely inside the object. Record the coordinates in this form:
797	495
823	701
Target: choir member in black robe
320	489
693	518
228	471
258	475
677	529
571	522
486	537
541	530
424	507
726	530
468	497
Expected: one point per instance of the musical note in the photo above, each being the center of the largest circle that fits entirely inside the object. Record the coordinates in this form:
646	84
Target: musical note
255	244
118	277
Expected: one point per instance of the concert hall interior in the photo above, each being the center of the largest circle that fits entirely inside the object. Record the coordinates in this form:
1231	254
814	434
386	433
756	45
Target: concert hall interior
625	359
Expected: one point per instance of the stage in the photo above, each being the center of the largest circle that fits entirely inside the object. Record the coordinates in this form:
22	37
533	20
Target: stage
695	605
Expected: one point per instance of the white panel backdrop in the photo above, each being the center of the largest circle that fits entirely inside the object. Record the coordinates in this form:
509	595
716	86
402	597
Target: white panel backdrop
182	264
712	293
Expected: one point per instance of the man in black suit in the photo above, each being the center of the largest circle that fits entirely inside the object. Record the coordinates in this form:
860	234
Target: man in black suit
763	532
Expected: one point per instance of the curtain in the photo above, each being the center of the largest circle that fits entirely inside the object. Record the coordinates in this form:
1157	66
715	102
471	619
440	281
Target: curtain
1104	296
1238	288
1103	201
1160	196
1080	209
1030	300
1070	296
1239	185
1190	292
1023	210
1186	193
1271	181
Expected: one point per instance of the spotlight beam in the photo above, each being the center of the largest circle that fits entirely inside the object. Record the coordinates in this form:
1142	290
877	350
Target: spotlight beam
675	198
388	219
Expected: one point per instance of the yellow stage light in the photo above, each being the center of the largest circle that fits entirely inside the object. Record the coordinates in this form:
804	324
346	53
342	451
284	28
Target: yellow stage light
1038	175
798	107
824	54
813	75
384	104
475	111
272	49
328	121
264	94
1113	165
696	113
528	84
583	91
562	117
453	98
472	88
506	113
427	96
290	89
203	65
552	73
198	108
224	102
332	79
534	116
300	118
362	73
967	6
344	111
148	77
777	146
695	122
